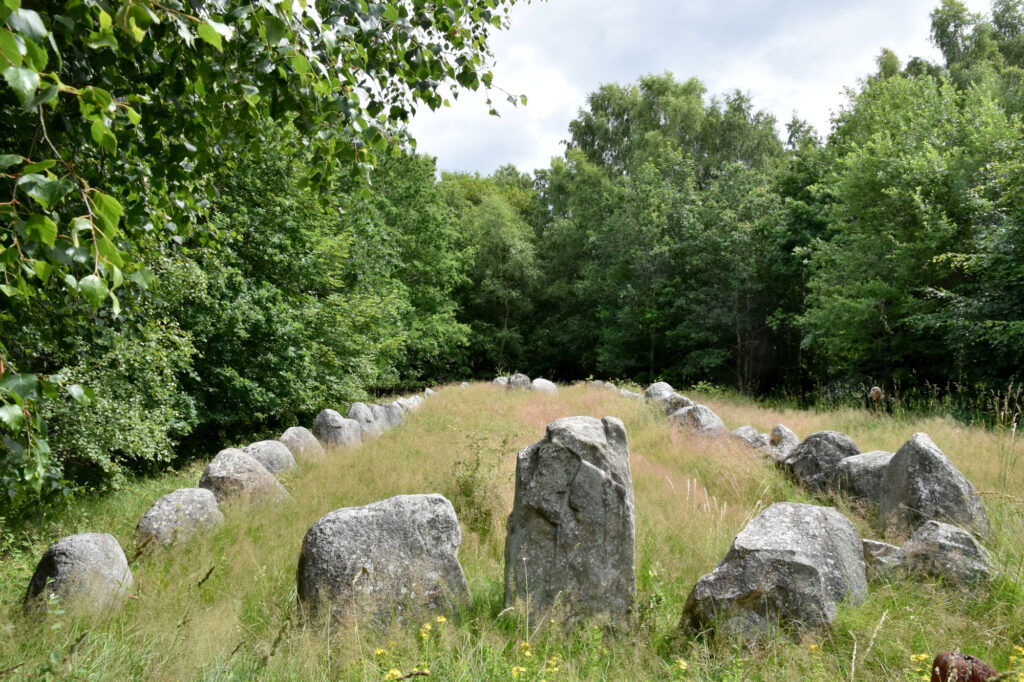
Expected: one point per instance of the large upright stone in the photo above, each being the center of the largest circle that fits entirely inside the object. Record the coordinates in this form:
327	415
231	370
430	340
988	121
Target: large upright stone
781	442
570	542
393	415
335	431
863	475
272	454
178	515
815	462
701	419
519	382
232	474
944	551
659	390
368	426
791	566
87	572
301	442
387	559
922	484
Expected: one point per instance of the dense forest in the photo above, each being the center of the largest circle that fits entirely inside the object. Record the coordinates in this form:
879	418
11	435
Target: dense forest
215	256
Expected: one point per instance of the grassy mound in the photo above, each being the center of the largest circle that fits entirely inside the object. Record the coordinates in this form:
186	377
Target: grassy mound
223	605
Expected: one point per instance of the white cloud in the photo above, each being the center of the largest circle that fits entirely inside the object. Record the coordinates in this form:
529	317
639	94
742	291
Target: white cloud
793	55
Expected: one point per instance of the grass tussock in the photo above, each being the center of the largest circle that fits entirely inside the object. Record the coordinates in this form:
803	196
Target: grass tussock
223	605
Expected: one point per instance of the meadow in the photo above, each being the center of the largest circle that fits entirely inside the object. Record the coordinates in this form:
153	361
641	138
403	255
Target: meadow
223	605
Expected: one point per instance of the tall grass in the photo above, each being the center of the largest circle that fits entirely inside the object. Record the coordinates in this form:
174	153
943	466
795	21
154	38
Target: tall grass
222	606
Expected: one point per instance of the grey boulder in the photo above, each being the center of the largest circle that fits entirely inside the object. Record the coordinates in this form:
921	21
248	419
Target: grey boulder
922	484
570	542
815	462
630	395
232	474
427	392
368	426
863	475
87	572
393	415
881	557
781	442
791	566
410	404
500	381
335	431
944	551
663	394
659	391
179	514
544	386
272	454
750	436
701	419
519	381
387	559
301	442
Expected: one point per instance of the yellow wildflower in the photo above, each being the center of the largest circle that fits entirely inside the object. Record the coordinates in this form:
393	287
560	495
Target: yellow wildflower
814	647
682	665
380	652
393	674
518	670
442	619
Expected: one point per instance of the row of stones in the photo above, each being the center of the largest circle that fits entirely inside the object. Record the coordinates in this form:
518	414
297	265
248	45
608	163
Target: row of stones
90	570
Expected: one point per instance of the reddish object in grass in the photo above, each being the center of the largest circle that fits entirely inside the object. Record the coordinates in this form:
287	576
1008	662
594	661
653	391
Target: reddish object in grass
956	667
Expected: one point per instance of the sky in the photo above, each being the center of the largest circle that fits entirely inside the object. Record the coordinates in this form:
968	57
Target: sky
788	55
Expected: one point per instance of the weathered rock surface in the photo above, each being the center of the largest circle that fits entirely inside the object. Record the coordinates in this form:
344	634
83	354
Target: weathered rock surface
921	484
791	566
393	415
862	475
335	431
410	404
88	572
570	541
178	515
272	454
519	381
941	550
544	386
387	559
661	392
815	462
951	666
368	426
781	442
701	419
232	474
427	392
750	436
630	395
500	381
882	557
301	442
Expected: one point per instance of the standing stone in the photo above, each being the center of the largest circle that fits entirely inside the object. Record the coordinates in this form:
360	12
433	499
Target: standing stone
570	542
272	454
882	557
500	381
301	442
782	441
88	572
701	419
791	566
921	484
519	381
335	431
178	515
815	462
544	386
234	474
387	559
393	415
944	551
862	475
368	426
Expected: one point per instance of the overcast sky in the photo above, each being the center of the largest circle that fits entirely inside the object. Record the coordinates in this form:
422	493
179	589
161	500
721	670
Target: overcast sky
788	55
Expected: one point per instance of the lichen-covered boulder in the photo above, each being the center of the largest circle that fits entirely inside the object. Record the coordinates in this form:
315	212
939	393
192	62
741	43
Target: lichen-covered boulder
87	572
500	381
941	550
272	454
519	382
781	442
659	391
881	557
791	566
335	431
862	475
921	484
750	436
232	474
815	462
570	542
387	559
301	442
178	515
544	386
663	394
368	426
701	419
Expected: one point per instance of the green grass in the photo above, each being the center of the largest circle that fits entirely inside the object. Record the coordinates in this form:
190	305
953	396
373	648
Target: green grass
692	497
